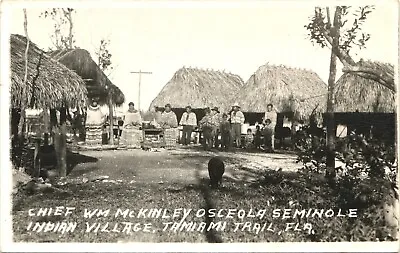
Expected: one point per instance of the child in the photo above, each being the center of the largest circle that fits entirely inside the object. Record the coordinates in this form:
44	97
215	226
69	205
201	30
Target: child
206	125
249	139
257	137
225	130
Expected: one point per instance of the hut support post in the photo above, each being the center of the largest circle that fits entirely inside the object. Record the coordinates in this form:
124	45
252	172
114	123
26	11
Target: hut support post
111	118
47	126
36	160
21	123
60	143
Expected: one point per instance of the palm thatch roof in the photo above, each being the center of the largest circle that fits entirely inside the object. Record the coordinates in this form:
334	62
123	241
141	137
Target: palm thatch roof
354	93
199	88
49	83
97	83
289	89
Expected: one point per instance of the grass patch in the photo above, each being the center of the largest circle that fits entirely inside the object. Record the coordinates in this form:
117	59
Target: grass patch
273	190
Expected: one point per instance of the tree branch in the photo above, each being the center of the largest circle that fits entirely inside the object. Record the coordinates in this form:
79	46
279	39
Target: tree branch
384	79
350	66
328	16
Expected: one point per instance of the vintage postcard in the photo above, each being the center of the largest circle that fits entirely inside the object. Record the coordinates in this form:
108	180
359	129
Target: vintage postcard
199	126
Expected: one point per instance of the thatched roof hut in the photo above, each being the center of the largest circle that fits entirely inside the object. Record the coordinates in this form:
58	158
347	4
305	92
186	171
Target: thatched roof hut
199	88
97	82
357	94
293	90
49	83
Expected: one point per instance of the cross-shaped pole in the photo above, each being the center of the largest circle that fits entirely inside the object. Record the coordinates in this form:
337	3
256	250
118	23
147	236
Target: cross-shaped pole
140	72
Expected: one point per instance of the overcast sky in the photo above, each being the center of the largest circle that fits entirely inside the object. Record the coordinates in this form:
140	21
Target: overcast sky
237	40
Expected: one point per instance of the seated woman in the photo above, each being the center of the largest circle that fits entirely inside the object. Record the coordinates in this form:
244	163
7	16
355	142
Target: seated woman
132	135
169	122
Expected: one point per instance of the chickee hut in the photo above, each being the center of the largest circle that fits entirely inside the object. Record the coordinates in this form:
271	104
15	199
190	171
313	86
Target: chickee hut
199	88
365	106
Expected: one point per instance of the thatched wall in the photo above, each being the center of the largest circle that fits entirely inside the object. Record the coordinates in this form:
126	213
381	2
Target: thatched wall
354	93
49	83
97	82
288	89
199	88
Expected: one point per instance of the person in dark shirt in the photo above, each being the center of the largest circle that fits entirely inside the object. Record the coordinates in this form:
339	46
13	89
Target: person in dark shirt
257	137
225	130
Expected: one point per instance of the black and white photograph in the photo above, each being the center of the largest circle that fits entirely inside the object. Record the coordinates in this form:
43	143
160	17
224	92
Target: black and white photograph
206	122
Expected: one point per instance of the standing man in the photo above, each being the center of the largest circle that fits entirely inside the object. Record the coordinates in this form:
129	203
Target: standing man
270	118
206	126
189	122
237	119
216	116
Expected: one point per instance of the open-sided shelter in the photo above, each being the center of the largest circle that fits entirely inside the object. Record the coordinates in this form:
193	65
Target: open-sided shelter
295	93
364	105
97	83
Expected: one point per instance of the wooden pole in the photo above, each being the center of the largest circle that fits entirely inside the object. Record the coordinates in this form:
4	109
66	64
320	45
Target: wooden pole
140	72
23	104
111	119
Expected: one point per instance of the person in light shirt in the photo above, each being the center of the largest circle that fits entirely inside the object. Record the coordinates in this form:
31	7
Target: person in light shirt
189	122
270	118
237	119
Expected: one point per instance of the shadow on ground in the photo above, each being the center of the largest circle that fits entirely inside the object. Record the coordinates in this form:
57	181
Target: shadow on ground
73	159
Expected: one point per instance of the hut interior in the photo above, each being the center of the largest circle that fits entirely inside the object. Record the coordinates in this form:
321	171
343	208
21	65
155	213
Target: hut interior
380	126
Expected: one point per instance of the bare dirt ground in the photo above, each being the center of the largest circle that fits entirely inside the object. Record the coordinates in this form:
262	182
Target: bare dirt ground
177	166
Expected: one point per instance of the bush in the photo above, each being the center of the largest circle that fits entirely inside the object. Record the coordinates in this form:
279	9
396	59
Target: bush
362	157
366	180
311	149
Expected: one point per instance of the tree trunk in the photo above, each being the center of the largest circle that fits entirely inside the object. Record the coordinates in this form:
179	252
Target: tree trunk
71	35
111	118
330	121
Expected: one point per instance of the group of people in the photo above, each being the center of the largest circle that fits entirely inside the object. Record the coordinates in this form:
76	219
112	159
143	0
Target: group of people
131	134
219	130
224	130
